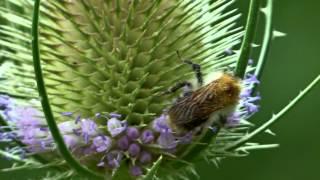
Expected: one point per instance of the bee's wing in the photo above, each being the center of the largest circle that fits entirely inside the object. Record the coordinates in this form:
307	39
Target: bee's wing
193	109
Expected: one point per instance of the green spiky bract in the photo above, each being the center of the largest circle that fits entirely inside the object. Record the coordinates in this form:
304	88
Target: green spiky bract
95	56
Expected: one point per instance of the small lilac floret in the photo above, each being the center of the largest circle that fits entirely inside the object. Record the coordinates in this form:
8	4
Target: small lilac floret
234	118
251	79
68	127
160	124
71	141
147	136
116	127
136	171
4	102
67	113
27	116
133	133
89	127
32	133
145	157
245	93
115	115
102	143
114	158
134	150
251	108
123	143
167	141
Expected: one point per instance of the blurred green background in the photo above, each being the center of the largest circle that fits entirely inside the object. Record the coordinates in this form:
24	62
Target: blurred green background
293	62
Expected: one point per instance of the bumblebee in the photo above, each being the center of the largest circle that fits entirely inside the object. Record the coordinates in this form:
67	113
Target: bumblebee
202	106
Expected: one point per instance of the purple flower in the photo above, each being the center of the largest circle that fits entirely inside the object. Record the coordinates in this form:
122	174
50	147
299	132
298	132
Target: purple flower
135	171
133	133
114	158
116	127
235	118
167	141
71	141
147	136
32	133
246	105
246	92
102	143
26	116
251	79
160	124
134	150
67	113
115	115
4	102
145	157
123	143
68	127
89	129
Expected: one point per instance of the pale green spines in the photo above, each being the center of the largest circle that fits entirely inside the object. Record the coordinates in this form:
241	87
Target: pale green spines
100	56
117	58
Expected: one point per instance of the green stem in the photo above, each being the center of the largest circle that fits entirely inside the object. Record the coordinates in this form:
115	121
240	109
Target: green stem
274	118
248	38
266	42
65	153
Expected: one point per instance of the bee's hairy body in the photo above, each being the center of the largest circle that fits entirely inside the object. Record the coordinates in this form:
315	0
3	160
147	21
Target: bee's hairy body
196	108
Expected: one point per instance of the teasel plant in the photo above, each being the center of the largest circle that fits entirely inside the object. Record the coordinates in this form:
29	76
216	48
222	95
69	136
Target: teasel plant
81	85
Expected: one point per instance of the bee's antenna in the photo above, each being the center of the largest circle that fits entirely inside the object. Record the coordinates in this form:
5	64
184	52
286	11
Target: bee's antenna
196	68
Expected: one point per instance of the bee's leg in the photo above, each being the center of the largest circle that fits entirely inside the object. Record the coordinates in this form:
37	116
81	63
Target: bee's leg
184	84
218	124
197	69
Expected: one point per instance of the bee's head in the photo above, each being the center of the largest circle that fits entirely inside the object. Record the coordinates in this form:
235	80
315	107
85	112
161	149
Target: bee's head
227	89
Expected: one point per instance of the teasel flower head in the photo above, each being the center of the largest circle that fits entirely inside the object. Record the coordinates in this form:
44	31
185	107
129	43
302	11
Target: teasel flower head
86	100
